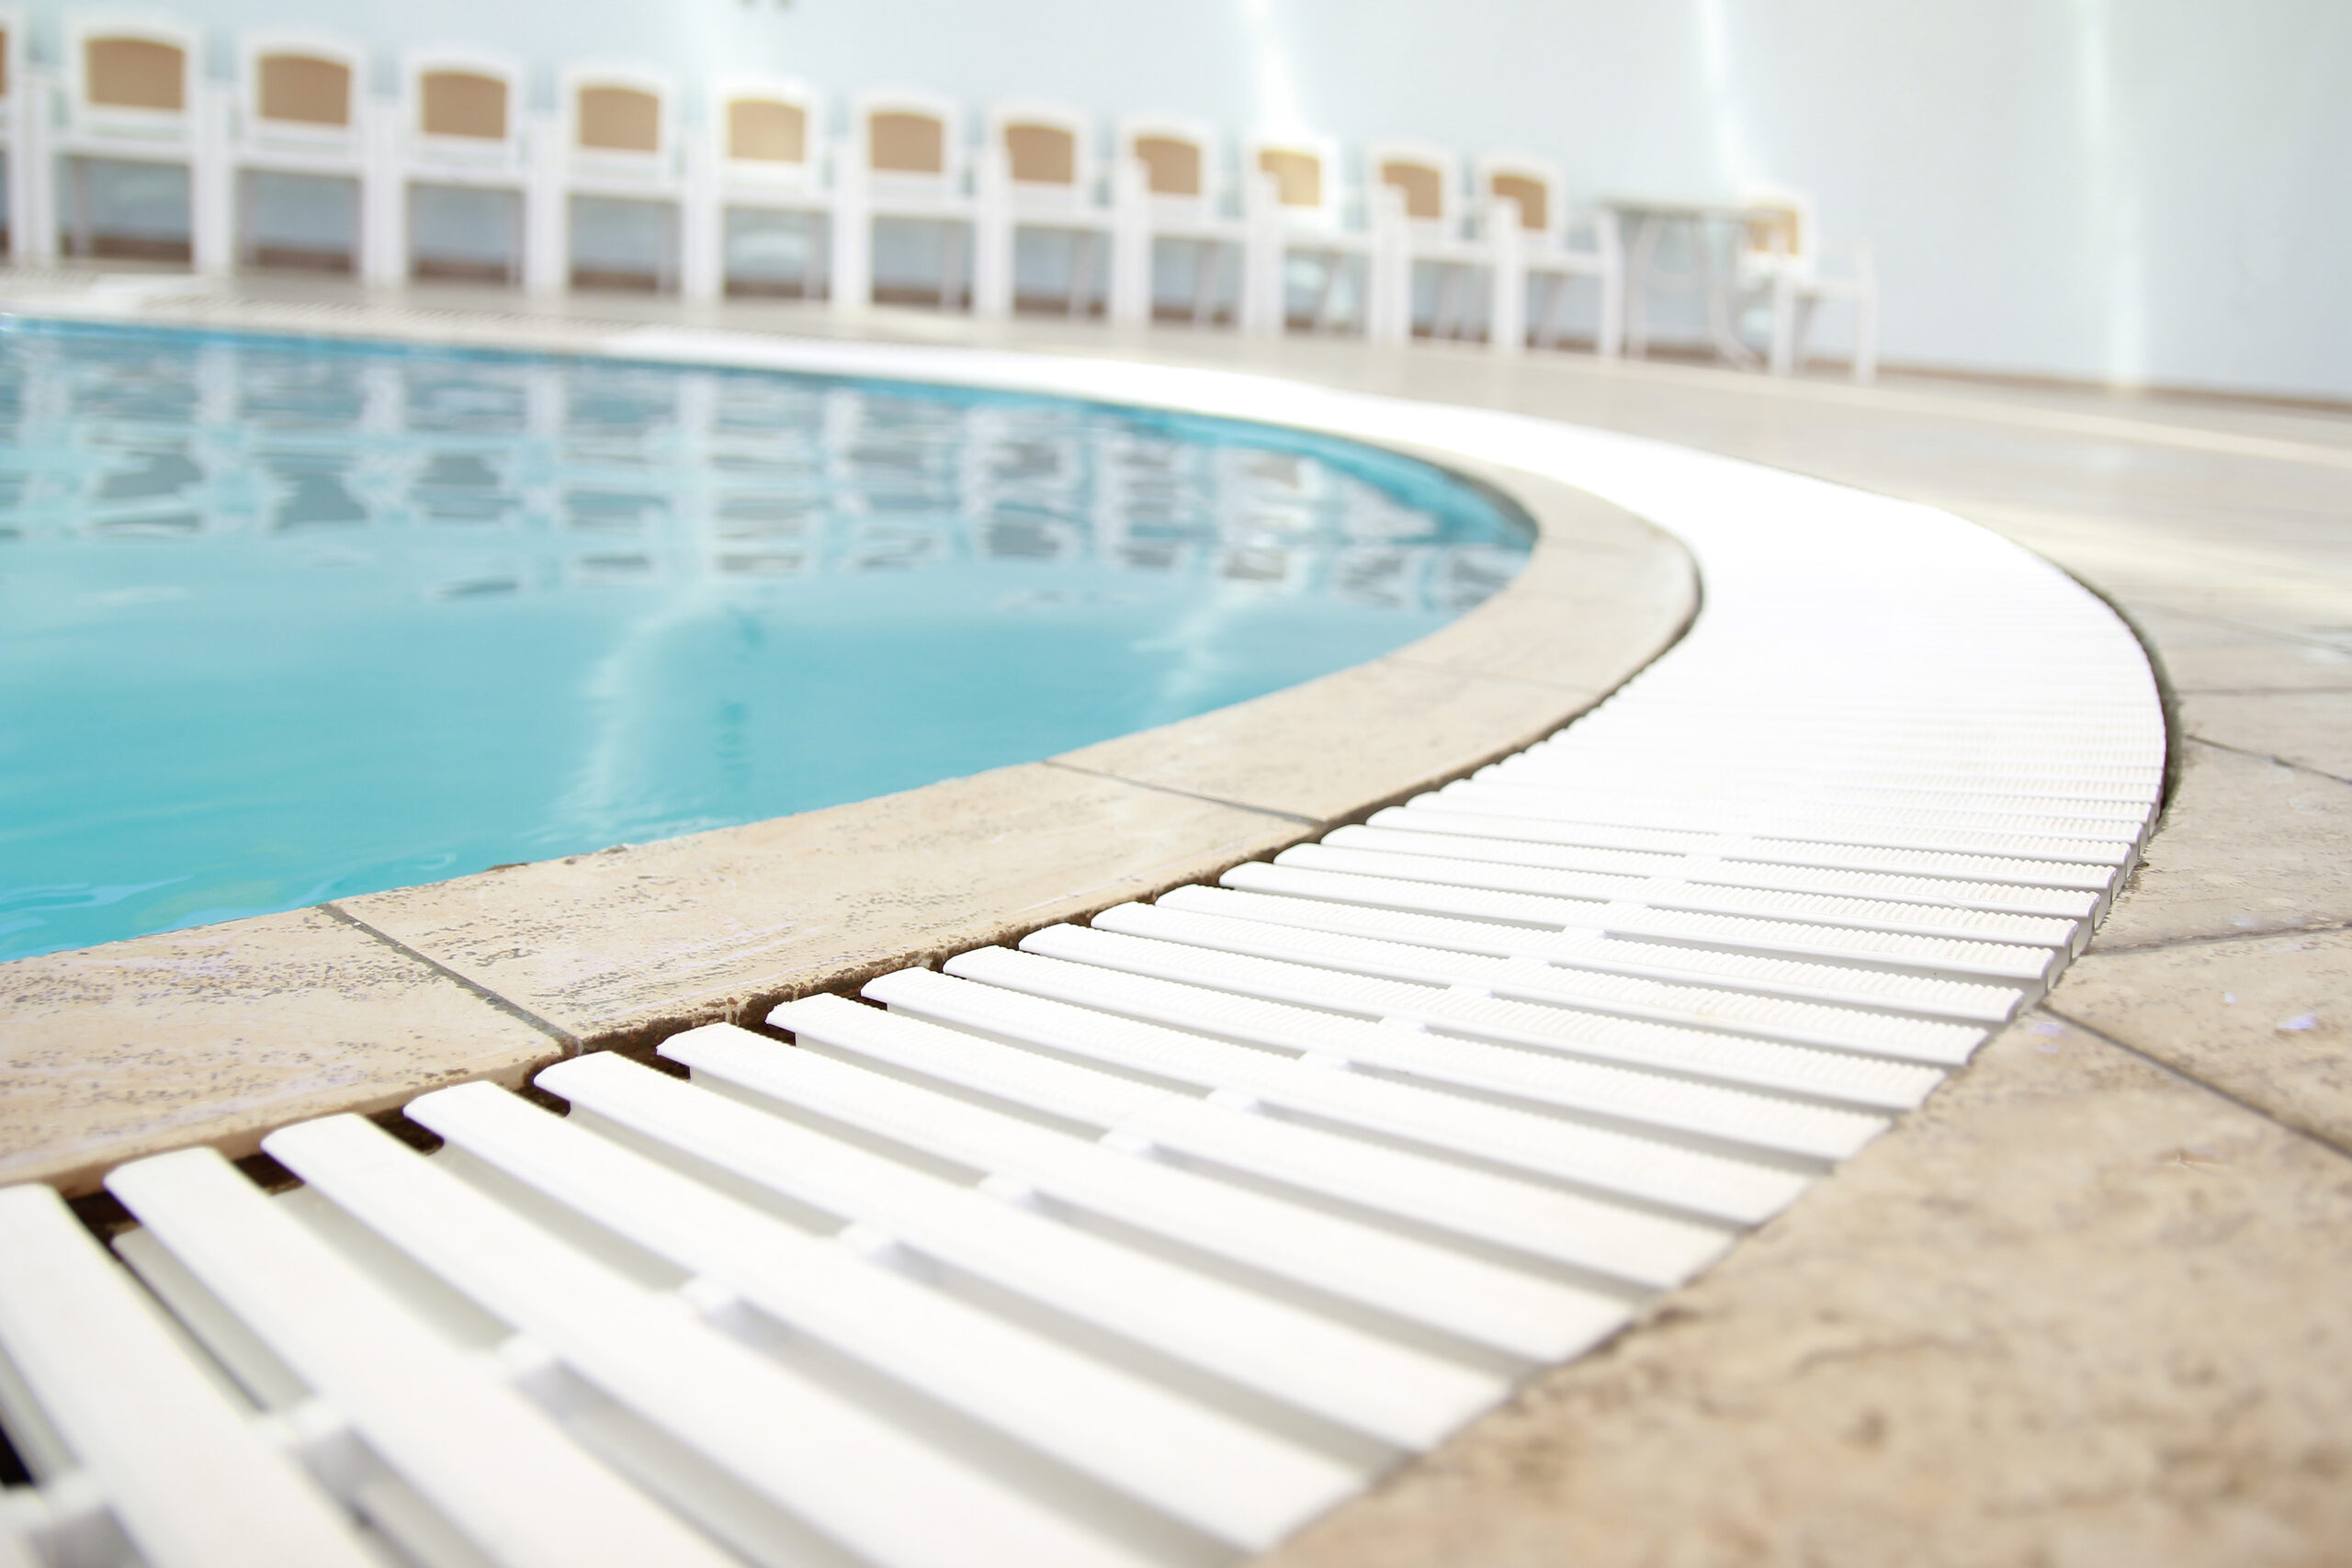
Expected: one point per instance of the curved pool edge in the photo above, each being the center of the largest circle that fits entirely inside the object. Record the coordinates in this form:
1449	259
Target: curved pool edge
217	1035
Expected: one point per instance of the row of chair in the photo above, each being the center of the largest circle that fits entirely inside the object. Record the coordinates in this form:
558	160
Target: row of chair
1503	247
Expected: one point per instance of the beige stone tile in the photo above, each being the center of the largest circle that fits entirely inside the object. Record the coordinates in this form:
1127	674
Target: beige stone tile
218	1034
2246	846
2202	656
2268	1018
2075	1313
1326	750
1579	642
641	941
2311	729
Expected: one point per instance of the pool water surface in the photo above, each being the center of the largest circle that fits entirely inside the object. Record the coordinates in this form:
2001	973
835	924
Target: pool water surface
282	621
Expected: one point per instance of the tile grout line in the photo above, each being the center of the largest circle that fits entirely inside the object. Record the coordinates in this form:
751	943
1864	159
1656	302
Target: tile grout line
1187	794
2249	1107
2277	762
2169	943
564	1037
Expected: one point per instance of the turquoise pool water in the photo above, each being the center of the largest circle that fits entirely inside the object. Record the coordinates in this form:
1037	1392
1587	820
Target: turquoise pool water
282	621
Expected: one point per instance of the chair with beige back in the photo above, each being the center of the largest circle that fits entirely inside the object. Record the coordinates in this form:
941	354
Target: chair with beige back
460	128
1293	202
609	212
303	116
137	94
1549	254
1416	192
906	163
1169	189
756	195
23	145
1779	267
1037	171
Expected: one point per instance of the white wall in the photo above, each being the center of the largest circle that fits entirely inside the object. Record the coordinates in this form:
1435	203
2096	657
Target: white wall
2134	190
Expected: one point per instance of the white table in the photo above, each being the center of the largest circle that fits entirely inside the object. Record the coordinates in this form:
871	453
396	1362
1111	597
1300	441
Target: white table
1714	231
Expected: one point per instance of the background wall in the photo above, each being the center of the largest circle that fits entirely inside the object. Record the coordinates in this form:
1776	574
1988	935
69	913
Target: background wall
2125	190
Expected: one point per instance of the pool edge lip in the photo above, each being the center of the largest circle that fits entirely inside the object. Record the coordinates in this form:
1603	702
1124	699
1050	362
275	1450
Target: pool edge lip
219	1034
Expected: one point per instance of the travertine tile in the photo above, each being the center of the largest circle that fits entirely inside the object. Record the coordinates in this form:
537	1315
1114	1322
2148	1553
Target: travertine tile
653	938
2075	1313
2268	1018
2311	729
2203	656
1327	749
2246	846
218	1034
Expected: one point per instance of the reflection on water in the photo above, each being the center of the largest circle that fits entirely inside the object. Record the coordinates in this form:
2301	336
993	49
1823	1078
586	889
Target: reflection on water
283	622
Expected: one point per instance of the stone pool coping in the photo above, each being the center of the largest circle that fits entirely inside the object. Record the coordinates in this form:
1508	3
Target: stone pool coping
219	1034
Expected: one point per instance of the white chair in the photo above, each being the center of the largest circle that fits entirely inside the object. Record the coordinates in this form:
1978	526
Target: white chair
1780	266
907	161
1551	258
303	109
136	93
619	142
460	125
1168	185
764	152
1291	201
22	145
1038	171
1416	199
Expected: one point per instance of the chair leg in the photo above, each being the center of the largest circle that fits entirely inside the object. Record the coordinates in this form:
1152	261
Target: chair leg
1866	328
1785	328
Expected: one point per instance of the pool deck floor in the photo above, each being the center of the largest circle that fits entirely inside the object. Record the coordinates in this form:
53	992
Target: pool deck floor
2090	1305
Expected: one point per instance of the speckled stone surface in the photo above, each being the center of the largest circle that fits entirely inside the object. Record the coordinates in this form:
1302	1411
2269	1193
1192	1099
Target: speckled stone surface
219	1034
725	924
2248	844
2267	1019
2079	1313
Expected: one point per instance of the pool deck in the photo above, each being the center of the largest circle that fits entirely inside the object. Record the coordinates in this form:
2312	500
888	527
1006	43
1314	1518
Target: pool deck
2085	1307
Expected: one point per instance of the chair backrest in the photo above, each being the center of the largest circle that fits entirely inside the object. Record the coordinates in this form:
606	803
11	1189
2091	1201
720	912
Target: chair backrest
1179	157
1048	149
1534	183
769	129
1305	172
132	75
1425	173
1779	222
616	115
465	102
301	86
910	138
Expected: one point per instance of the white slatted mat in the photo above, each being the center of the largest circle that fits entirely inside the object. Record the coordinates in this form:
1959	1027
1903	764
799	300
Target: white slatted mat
1151	1239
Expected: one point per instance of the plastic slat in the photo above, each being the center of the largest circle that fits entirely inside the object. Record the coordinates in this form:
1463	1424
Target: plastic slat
1794	938
185	1475
1367	1384
2010	898
1738	1116
1503	1310
1916	919
1220	1476
1828	1075
1729	1189
785	1437
1697	1006
467	1444
1648	1249
1577	951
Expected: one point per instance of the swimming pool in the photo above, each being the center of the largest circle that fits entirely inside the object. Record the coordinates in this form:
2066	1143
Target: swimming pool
282	621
